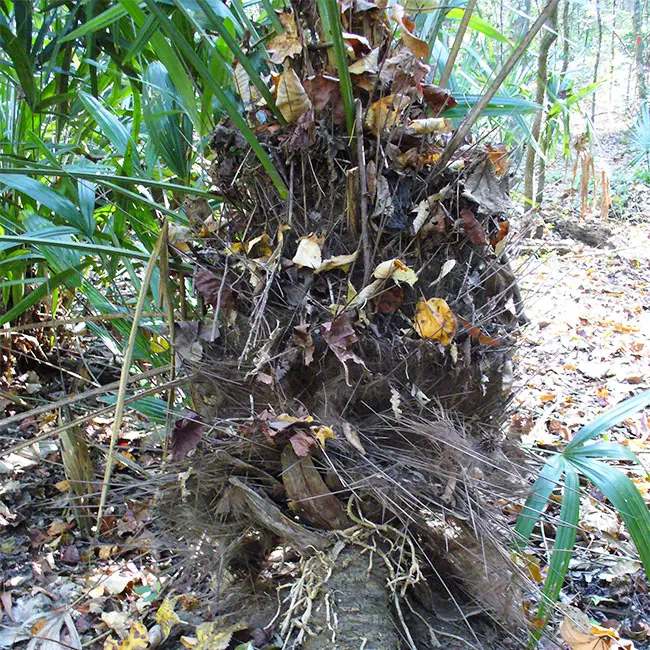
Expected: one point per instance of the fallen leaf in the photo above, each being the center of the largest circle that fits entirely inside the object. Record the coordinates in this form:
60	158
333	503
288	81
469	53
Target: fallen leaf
137	639
60	527
419	47
322	434
435	320
368	63
341	262
309	252
477	334
287	43
473	228
426	126
385	114
439	99
580	634
499	158
117	582
166	617
187	433
290	95
395	270
216	635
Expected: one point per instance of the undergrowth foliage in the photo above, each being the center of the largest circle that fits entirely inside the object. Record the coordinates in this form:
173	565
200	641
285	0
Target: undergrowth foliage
284	204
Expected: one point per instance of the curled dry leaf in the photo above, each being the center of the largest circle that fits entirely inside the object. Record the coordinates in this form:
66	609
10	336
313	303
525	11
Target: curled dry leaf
341	262
340	337
369	63
477	334
308	254
473	228
287	43
435	320
208	286
302	443
187	433
215	635
426	126
395	270
302	339
580	634
419	47
290	95
499	158
439	99
355	45
385	114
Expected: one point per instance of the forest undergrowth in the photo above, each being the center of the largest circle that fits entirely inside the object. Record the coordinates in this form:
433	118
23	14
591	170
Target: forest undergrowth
585	284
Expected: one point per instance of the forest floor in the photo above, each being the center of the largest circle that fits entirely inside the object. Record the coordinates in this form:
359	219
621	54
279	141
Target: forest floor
587	289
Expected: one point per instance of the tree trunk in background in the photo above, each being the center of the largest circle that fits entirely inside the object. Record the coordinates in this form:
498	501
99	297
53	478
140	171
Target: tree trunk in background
540	97
566	33
612	53
522	22
597	63
642	92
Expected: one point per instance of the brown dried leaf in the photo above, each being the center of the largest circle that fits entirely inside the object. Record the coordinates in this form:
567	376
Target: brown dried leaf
419	47
302	339
301	443
356	45
340	337
499	158
386	113
287	43
188	432
403	71
473	228
290	96
439	99
369	63
323	91
208	286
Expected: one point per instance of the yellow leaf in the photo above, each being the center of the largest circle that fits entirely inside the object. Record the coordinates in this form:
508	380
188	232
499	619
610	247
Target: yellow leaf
158	344
428	125
387	113
215	635
434	320
338	262
166	617
395	270
291	97
287	43
309	252
137	639
322	434
63	486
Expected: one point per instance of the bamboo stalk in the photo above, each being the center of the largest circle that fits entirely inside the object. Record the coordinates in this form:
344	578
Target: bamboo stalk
124	380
